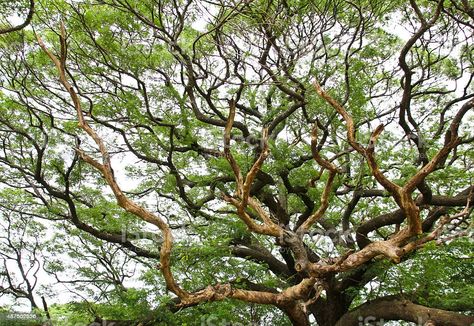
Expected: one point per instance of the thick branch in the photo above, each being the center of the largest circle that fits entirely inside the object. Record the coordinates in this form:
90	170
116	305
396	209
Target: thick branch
106	170
322	208
243	187
262	256
351	138
398	308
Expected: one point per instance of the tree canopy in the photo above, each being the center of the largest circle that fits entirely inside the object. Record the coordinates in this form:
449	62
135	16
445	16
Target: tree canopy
179	162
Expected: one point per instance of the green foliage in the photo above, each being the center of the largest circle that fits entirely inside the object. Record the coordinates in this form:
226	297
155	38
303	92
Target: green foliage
72	313
155	81
439	277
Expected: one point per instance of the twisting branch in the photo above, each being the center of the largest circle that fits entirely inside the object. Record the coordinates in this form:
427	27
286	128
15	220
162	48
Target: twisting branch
402	195
27	21
437	232
317	157
351	131
407	86
228	155
351	137
333	170
351	260
451	140
243	187
255	167
107	172
323	207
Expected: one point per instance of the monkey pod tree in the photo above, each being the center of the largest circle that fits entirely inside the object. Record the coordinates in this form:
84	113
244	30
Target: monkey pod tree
313	157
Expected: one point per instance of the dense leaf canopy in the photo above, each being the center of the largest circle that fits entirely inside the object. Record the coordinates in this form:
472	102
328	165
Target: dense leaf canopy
179	162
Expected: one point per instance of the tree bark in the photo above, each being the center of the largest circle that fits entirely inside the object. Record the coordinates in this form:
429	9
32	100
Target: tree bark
398	308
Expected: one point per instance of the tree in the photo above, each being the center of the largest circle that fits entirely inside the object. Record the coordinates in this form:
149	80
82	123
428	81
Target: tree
293	161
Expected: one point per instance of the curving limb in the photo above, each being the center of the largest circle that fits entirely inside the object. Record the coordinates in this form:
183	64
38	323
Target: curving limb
105	168
26	22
